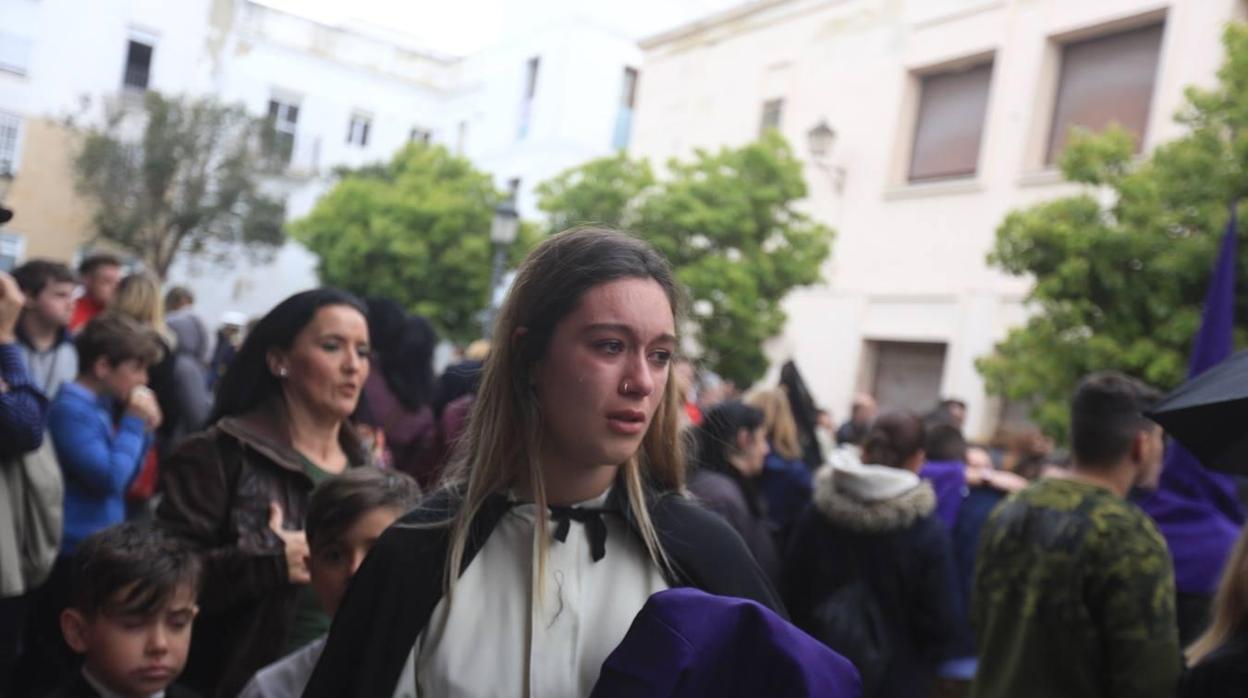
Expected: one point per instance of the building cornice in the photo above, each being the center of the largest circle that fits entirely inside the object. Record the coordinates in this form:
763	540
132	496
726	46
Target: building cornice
731	20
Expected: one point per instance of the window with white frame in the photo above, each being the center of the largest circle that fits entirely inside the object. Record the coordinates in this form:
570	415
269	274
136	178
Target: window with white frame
773	110
357	132
283	119
10	134
12	246
1104	80
419	135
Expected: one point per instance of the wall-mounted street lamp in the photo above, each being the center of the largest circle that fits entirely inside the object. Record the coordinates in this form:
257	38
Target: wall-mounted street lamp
6	181
819	142
503	231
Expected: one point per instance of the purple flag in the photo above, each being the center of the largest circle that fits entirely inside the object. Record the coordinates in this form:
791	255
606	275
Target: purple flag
1196	508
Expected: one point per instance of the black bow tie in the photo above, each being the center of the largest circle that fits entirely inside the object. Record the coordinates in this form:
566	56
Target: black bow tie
595	527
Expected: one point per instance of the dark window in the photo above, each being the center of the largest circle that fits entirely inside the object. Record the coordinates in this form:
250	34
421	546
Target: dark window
284	120
357	131
950	124
773	109
1108	79
138	65
530	90
624	117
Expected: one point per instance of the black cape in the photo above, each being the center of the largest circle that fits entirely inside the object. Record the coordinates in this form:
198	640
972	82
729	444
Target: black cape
396	590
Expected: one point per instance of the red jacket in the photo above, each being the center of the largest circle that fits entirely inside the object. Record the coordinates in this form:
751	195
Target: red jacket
85	308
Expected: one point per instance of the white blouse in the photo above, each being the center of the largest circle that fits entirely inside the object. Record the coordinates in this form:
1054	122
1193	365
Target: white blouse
495	640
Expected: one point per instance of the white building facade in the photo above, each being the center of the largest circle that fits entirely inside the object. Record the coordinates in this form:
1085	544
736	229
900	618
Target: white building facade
947	115
554	92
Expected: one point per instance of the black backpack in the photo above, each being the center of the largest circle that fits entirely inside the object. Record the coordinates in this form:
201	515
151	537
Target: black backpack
851	622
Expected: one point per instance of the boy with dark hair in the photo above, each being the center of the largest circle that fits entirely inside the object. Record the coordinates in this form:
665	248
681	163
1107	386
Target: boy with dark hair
101	274
1074	587
131	610
43	329
97	459
346	515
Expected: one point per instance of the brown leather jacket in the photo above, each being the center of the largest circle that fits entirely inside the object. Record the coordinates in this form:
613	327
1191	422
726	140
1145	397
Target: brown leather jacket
217	489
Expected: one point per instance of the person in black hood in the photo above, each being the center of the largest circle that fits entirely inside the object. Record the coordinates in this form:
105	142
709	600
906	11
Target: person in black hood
869	569
731	446
805	413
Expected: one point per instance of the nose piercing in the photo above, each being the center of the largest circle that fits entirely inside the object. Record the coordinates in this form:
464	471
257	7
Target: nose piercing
626	386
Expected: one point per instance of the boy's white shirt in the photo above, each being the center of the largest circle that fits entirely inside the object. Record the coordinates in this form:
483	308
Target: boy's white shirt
105	691
288	676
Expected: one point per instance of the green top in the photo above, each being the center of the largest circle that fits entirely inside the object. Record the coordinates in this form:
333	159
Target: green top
311	621
1074	597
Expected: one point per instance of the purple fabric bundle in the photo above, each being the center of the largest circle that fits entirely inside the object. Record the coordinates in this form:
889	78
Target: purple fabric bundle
688	643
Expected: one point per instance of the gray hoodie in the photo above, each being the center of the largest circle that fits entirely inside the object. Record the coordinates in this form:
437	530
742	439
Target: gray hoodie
49	369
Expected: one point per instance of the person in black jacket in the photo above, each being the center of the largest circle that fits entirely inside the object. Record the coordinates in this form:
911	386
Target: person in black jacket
562	512
869	569
731	448
1218	660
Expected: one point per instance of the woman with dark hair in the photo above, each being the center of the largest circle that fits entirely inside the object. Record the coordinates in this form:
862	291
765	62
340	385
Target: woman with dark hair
400	388
238	492
731	445
869	569
805	414
562	511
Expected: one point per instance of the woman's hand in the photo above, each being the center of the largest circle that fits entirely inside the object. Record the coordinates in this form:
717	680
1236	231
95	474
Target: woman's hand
296	544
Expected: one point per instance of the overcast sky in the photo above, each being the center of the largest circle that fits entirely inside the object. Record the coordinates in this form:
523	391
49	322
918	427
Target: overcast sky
465	26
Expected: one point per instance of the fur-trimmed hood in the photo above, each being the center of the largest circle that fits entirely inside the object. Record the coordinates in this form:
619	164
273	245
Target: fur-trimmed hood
871	498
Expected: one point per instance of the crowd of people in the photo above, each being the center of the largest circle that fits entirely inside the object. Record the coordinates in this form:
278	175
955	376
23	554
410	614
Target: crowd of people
306	507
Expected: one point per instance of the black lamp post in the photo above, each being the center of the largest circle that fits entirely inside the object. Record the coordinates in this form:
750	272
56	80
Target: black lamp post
502	233
6	180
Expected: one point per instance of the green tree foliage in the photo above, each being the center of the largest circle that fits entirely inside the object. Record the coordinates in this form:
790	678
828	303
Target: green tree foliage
728	220
1121	270
178	176
415	229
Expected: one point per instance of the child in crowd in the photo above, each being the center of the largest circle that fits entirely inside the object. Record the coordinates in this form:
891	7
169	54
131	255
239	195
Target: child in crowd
132	607
346	515
99	459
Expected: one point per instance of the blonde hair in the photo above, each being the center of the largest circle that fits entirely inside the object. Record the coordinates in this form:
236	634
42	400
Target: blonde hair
138	298
778	421
477	350
503	439
1230	605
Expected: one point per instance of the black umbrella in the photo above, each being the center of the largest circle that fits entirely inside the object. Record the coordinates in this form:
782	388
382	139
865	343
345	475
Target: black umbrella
1209	415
